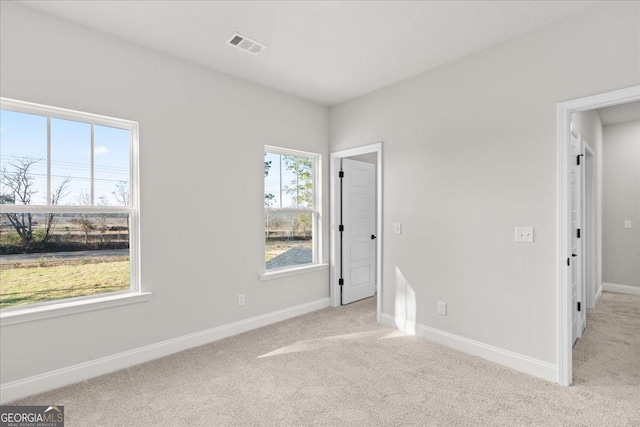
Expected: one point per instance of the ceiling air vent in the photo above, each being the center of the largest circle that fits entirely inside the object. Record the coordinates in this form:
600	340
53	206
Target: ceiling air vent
246	44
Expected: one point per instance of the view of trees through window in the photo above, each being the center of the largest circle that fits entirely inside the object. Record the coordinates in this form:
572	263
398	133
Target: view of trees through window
289	210
64	208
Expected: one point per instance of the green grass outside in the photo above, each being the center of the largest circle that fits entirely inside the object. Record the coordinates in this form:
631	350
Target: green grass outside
30	285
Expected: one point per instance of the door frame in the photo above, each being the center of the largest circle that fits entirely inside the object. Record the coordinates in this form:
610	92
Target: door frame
334	257
563	288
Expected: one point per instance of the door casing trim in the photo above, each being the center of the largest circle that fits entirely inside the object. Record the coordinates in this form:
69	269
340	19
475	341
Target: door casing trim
563	287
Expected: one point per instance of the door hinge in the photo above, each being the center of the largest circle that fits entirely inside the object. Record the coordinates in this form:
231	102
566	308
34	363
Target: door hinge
578	161
341	228
341	174
569	262
578	233
340	282
579	308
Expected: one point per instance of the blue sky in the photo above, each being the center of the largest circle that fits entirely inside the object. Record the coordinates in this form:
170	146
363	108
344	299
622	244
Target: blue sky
272	182
26	135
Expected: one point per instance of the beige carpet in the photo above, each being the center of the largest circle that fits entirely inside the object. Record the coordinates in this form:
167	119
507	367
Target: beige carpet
337	367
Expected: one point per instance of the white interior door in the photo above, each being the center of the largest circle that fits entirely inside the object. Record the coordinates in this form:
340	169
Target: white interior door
582	224
575	246
358	235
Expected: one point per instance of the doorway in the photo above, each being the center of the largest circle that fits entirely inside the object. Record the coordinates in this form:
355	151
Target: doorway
570	265
367	245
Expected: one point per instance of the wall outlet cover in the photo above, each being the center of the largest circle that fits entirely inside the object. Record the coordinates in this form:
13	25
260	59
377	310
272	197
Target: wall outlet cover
442	308
524	234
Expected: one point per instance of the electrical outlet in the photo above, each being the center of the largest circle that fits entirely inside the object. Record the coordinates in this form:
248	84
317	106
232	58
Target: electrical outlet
240	299
442	308
397	228
627	224
524	234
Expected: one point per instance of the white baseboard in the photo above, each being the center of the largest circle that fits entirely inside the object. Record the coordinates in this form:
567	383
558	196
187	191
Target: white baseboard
621	289
519	362
84	371
599	293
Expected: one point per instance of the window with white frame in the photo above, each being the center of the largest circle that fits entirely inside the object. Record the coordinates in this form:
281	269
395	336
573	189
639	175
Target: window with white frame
290	208
68	205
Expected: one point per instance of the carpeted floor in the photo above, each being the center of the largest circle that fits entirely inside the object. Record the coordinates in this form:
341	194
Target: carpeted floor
338	367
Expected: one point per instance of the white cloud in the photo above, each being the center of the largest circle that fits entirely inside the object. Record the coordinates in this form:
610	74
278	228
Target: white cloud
100	150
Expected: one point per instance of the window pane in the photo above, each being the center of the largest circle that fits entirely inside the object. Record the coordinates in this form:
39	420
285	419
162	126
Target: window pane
272	180
111	176
70	162
297	182
79	255
289	239
23	158
288	181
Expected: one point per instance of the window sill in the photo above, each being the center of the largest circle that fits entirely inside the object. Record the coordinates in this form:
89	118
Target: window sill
292	272
72	307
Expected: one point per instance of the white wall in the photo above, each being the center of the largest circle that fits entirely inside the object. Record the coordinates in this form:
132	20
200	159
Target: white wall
589	125
202	136
470	153
621	247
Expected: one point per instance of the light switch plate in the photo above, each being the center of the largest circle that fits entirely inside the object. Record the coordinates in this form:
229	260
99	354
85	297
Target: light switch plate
524	234
397	228
627	224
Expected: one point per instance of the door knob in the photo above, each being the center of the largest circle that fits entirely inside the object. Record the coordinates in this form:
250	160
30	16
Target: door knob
373	237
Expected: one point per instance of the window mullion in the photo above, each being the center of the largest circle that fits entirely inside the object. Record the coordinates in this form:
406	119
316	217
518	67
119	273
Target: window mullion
314	246
317	238
93	147
65	209
289	210
280	159
48	160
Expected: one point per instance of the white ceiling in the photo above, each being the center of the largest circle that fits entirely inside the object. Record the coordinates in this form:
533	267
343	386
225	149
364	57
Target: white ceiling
324	51
629	112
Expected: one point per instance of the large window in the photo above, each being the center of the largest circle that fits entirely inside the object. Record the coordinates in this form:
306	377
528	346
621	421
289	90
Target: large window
291	209
68	197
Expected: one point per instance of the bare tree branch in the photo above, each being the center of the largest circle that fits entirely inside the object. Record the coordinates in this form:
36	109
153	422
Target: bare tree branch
19	180
122	195
84	221
58	194
102	219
